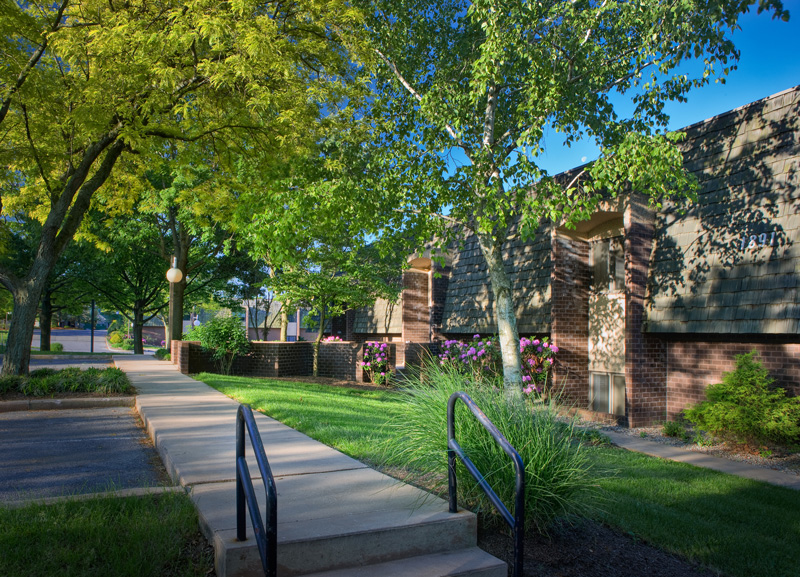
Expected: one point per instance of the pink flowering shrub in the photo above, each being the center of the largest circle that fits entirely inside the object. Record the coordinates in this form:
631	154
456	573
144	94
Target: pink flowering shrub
332	339
376	362
482	357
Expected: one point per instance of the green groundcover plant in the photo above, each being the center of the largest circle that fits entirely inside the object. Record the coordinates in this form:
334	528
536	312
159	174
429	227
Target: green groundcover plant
746	408
557	469
48	382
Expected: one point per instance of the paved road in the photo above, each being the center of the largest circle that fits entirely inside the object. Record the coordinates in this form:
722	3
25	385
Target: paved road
76	340
75	451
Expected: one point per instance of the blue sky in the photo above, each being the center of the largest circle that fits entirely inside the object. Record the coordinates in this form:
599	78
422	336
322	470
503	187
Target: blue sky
770	63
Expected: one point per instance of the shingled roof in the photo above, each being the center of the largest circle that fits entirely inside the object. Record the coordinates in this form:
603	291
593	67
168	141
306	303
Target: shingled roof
730	264
469	307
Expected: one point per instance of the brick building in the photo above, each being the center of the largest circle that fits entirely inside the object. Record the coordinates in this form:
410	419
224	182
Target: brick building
646	308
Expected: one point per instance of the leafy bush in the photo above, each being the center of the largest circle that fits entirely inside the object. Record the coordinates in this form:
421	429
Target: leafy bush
557	469
746	408
161	353
45	382
673	429
376	363
115	338
56	347
127	344
114	326
167	357
224	337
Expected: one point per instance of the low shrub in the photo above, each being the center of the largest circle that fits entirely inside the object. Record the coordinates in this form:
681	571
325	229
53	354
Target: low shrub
56	347
127	345
225	337
746	408
673	429
167	357
557	467
46	382
161	353
115	338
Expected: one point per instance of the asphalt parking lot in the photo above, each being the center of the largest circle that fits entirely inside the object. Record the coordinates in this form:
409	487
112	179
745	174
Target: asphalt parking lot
74	451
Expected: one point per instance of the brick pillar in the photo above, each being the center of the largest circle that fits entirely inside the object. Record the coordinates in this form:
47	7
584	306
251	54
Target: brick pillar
570	280
645	354
416	311
439	286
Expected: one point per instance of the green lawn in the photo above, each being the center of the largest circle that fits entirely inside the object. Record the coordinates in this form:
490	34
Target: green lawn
739	527
150	536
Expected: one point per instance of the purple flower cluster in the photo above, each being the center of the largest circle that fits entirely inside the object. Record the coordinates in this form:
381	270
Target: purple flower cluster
376	362
482	356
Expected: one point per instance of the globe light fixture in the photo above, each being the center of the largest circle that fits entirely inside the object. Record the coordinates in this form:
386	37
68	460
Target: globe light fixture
174	274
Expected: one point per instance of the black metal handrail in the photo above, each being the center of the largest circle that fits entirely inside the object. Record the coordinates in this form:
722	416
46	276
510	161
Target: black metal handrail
516	521
266	540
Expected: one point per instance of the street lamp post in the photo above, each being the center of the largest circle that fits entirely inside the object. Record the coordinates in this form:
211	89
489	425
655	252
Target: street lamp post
174	275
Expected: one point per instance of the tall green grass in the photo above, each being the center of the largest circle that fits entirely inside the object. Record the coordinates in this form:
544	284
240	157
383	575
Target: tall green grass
150	536
557	467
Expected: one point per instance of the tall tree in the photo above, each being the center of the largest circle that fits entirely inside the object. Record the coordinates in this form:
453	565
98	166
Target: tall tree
85	81
467	91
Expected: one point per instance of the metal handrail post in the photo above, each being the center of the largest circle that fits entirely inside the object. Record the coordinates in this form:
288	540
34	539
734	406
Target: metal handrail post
266	534
516	521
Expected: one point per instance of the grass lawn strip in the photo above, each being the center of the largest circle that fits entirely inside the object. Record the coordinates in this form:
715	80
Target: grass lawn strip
737	526
149	536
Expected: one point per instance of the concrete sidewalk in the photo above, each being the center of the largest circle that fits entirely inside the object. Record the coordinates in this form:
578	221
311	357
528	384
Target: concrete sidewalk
335	515
703	460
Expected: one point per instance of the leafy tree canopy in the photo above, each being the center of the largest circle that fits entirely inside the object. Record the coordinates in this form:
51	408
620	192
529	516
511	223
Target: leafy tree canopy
468	90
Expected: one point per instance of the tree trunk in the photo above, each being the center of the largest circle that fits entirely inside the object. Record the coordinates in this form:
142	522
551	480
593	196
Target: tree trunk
45	320
506	318
138	323
320	332
17	357
284	326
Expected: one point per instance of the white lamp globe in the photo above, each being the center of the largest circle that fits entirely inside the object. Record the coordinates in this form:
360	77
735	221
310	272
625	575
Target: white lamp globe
174	274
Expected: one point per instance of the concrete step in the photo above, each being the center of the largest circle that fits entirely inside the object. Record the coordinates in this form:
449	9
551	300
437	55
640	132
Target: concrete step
470	562
334	520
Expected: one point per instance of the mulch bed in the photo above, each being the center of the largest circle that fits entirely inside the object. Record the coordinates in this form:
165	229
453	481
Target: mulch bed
587	549
61	395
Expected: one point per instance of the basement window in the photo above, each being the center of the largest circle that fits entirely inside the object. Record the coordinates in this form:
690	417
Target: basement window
607	393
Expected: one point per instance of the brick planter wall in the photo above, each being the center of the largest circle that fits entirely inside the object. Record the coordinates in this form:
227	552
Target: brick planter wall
339	360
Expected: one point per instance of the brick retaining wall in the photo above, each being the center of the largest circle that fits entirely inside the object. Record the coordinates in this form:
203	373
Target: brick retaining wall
340	360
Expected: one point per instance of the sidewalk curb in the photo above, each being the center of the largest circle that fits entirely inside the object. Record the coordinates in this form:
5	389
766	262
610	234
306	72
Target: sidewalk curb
76	403
135	492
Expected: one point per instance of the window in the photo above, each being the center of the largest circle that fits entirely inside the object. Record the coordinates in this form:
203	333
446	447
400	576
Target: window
608	265
607	393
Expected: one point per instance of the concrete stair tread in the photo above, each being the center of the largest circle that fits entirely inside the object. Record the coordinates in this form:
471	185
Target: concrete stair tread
472	562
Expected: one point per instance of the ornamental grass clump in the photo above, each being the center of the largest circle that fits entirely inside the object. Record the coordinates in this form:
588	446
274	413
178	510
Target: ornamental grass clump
746	408
557	467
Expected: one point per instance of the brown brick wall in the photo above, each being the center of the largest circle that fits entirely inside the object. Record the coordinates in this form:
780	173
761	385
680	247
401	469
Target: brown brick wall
570	280
695	364
645	354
